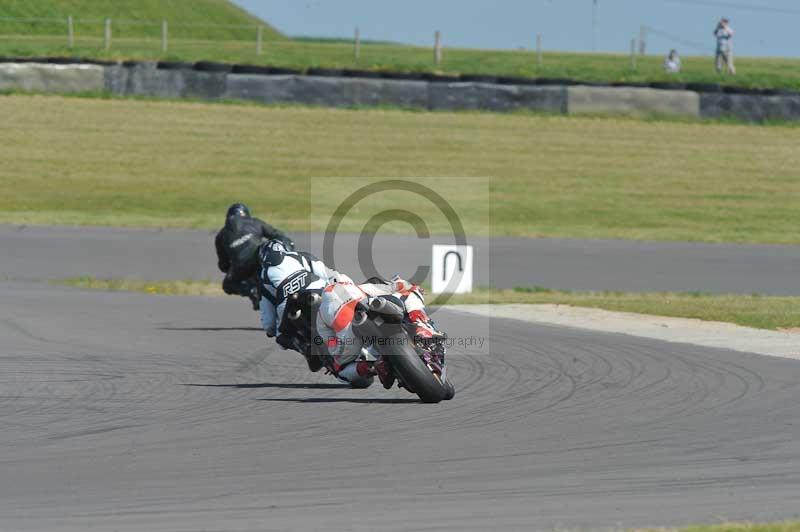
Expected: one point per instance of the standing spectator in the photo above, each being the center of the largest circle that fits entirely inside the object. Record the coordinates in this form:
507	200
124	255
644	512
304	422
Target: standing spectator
724	35
672	63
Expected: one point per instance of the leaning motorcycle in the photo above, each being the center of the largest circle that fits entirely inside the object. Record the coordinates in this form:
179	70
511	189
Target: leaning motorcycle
418	365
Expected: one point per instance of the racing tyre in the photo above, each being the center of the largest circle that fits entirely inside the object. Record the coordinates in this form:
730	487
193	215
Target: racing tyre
325	72
449	391
515	80
555	81
732	89
439	78
365	74
668	86
477	78
413	371
407	76
281	71
704	87
211	66
173	65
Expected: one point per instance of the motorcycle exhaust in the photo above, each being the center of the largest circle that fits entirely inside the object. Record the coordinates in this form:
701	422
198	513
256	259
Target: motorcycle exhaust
360	318
385	307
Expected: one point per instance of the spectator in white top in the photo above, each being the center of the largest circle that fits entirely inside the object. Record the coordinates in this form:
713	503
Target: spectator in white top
672	63
724	36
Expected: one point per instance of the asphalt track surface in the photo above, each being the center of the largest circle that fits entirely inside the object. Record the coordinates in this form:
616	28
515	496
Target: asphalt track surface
125	411
58	252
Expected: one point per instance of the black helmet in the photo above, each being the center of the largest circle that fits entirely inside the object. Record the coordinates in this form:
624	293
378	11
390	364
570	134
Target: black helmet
238	209
271	252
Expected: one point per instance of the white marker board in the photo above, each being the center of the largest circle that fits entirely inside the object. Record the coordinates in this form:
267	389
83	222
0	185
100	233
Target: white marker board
451	269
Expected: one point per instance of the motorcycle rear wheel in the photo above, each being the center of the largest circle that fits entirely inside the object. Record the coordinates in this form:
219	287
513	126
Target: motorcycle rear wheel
412	371
450	390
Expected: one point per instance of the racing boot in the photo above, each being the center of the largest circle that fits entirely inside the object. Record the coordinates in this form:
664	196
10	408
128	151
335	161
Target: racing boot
384	373
425	329
255	297
292	342
314	362
358	374
368	369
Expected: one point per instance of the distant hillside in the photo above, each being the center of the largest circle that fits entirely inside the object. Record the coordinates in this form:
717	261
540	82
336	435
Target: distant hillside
187	18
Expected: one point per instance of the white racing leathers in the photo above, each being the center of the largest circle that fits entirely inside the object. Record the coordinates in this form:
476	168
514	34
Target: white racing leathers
286	273
334	321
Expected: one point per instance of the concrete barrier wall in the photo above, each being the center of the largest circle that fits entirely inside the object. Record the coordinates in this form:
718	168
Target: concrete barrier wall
147	80
632	100
490	97
51	78
328	92
750	107
351	92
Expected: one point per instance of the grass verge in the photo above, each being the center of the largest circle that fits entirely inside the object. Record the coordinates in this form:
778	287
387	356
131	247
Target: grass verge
781	526
170	288
763	312
67	161
239	46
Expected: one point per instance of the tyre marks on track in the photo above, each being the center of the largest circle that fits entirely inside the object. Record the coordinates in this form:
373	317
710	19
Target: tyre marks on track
158	420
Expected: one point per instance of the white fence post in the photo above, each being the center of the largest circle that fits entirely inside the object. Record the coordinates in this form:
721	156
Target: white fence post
357	45
107	38
643	40
259	39
437	48
164	36
70	32
539	50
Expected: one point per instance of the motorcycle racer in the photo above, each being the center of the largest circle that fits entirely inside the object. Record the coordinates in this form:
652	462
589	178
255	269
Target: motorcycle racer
237	250
286	273
334	325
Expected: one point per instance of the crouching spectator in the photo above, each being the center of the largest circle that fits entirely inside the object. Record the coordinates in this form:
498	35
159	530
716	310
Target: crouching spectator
672	63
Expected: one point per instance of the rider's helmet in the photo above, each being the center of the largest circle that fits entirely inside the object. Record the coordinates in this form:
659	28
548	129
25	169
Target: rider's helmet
271	252
238	209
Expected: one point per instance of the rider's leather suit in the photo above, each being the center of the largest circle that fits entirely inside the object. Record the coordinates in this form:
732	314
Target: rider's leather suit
336	311
286	273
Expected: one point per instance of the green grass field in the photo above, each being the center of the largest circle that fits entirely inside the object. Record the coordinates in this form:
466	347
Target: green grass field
763	312
781	526
217	30
132	19
143	163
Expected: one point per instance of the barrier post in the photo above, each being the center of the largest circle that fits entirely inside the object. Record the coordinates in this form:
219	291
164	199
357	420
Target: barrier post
259	39
164	36
107	37
539	50
70	32
437	48
633	53
357	45
643	40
